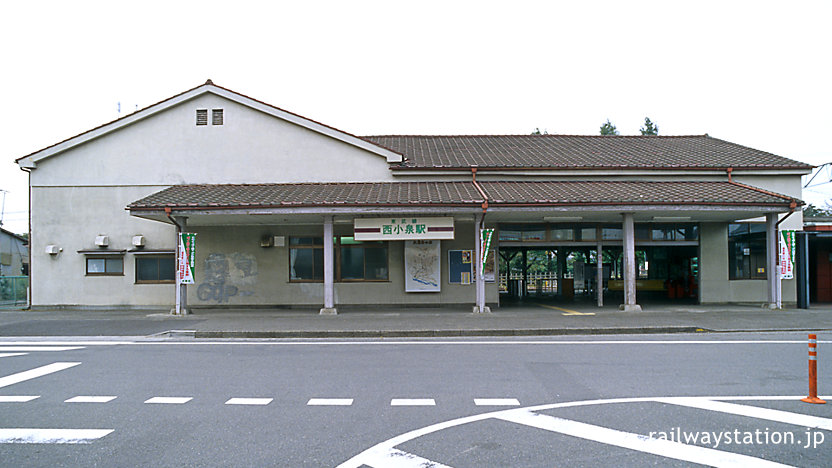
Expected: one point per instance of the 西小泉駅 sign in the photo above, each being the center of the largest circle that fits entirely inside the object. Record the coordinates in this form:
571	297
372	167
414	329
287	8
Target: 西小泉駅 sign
404	228
187	258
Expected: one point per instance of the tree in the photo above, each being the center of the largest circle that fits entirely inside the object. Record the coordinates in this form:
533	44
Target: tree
537	132
608	129
649	127
812	211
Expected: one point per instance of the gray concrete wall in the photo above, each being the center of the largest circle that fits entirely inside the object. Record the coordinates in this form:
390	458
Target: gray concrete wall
71	218
255	276
714	285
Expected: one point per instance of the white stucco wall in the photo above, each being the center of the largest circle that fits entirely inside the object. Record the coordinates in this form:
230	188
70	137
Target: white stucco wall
250	147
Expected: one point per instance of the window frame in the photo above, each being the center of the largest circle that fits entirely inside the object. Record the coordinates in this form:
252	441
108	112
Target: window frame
87	259
337	248
139	258
747	239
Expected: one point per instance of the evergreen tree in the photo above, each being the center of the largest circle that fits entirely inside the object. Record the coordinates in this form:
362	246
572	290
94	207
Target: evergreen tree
608	129
649	127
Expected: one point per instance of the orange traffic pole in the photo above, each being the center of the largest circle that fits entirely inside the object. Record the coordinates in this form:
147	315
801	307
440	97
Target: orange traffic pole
813	371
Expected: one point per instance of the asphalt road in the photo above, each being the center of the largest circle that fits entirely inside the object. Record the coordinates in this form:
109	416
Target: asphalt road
364	393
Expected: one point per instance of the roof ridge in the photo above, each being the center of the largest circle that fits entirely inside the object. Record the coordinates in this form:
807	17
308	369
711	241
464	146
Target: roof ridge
550	135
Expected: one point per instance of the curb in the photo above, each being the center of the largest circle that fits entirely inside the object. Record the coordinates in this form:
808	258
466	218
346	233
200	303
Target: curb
434	333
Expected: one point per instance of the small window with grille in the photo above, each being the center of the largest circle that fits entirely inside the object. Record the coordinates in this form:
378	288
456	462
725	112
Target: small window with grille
216	116
202	117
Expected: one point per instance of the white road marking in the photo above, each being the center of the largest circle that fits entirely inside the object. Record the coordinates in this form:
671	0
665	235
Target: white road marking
90	399
358	460
12	354
39	348
440	342
628	440
329	402
51	436
496	402
64	343
412	402
394	458
768	414
169	400
249	401
17	398
34	373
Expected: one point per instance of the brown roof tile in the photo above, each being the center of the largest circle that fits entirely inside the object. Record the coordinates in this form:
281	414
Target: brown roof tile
397	194
577	152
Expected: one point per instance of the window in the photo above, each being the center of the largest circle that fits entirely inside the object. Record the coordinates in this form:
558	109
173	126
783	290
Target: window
201	117
306	259
155	268
216	116
361	261
105	266
746	251
354	260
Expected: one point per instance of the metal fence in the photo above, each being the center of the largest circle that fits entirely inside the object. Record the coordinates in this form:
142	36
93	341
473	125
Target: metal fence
14	292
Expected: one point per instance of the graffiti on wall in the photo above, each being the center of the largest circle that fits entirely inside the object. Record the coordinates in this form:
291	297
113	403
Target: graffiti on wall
227	276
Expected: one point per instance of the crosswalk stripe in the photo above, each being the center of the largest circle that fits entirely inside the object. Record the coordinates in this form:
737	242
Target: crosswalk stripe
394	458
496	402
51	436
36	372
17	398
169	400
638	442
90	399
768	414
329	402
12	354
412	402
249	401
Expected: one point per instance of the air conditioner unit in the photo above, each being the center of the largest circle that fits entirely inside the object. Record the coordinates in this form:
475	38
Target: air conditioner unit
138	241
52	249
266	241
102	241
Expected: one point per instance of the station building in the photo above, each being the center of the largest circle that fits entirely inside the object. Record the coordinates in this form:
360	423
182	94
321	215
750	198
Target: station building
290	212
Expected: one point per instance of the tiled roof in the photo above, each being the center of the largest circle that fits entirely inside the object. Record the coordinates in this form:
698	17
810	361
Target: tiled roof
301	195
396	194
578	152
625	193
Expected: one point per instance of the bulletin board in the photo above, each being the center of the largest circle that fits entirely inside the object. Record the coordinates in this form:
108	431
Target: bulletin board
460	266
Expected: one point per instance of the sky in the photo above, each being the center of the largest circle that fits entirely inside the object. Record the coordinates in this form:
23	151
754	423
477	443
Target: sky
756	73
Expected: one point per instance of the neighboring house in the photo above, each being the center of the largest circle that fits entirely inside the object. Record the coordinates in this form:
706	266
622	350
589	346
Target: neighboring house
291	212
14	254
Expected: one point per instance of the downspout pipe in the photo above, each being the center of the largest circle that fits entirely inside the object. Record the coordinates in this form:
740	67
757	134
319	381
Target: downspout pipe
180	308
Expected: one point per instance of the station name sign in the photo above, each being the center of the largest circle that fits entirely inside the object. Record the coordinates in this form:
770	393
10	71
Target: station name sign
404	228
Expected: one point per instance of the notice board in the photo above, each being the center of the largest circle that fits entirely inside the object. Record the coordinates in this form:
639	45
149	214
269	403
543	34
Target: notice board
460	266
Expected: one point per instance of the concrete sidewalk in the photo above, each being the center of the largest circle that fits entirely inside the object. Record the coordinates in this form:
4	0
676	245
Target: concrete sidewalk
529	319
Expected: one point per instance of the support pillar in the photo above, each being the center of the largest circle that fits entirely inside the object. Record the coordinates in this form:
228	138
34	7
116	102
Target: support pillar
772	275
329	270
629	304
562	254
599	273
479	280
802	270
181	307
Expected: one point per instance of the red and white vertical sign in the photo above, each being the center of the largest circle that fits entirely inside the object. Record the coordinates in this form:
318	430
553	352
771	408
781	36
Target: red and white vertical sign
787	249
187	258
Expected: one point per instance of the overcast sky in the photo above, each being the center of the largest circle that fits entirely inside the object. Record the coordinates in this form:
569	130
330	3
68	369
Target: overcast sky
755	73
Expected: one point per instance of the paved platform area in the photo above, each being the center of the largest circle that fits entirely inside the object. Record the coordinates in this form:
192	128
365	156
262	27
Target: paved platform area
526	319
